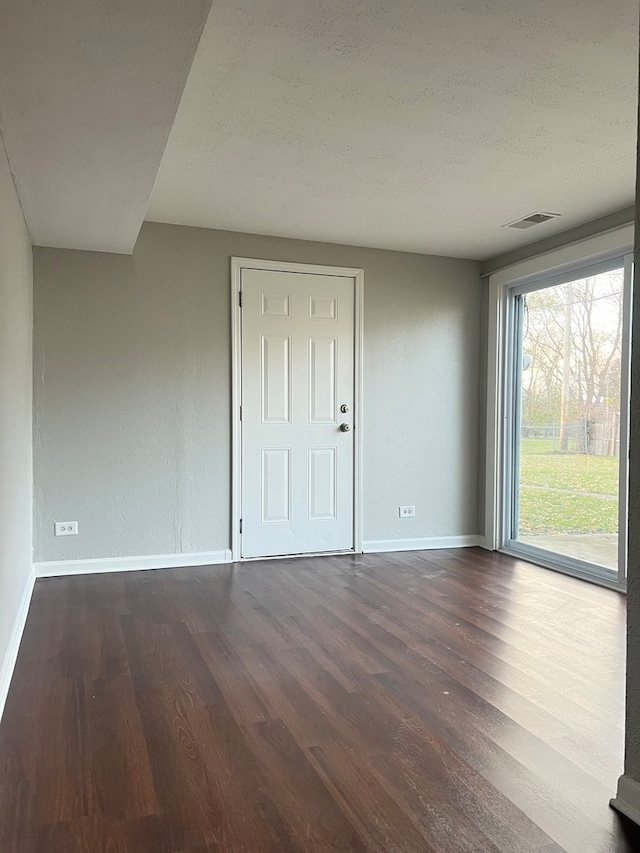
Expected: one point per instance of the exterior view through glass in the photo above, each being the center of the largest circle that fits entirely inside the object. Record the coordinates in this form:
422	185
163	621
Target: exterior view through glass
567	464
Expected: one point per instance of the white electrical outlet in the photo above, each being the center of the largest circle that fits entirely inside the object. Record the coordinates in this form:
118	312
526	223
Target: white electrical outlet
407	511
65	528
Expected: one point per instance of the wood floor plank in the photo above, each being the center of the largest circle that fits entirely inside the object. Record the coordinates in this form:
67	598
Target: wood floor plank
61	784
442	823
188	794
460	634
431	702
286	700
232	678
165	656
515	768
378	818
362	724
514	693
502	823
117	750
314	819
253	822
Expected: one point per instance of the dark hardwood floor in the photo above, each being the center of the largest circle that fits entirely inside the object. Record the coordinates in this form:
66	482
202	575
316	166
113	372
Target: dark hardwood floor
433	702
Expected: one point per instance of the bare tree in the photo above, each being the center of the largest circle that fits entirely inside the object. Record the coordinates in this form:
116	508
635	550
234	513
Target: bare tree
597	347
573	335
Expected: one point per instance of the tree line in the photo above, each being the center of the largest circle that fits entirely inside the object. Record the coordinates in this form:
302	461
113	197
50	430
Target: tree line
572	336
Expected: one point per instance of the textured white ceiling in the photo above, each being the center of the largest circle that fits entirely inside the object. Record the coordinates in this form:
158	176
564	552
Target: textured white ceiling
414	125
88	93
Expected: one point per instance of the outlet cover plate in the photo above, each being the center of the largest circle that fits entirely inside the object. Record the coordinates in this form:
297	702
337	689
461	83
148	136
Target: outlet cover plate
407	511
65	528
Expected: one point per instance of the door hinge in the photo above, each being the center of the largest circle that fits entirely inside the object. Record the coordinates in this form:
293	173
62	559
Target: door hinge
240	298
240	412
240	525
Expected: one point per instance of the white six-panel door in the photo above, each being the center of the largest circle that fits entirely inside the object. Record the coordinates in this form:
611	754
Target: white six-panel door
297	445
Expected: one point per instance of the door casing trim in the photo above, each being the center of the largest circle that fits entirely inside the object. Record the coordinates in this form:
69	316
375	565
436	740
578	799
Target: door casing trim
237	265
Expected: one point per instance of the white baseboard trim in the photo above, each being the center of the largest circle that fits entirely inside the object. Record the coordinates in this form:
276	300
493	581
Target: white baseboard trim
130	564
627	800
379	546
10	657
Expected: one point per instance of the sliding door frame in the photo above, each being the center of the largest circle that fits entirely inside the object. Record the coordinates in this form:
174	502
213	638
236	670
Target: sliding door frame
610	249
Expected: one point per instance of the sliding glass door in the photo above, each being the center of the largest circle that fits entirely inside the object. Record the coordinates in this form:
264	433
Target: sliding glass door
567	414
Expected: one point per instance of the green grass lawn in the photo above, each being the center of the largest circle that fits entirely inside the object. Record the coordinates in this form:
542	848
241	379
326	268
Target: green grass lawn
582	511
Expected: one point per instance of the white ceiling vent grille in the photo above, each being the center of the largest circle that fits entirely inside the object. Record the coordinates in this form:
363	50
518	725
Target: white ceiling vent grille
531	220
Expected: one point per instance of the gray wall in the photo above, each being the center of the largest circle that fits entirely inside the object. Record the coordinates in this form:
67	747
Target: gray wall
15	406
132	391
628	799
632	762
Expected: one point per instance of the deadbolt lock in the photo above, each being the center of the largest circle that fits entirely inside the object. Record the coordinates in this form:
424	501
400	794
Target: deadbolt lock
344	408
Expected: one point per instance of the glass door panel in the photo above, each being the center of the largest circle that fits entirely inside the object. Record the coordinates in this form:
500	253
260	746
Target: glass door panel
566	456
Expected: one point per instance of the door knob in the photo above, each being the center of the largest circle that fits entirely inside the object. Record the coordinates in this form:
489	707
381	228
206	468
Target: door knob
345	427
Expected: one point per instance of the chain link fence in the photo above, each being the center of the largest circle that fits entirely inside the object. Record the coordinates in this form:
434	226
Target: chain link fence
596	438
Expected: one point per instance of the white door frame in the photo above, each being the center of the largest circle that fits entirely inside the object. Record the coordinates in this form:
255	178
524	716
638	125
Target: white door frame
237	265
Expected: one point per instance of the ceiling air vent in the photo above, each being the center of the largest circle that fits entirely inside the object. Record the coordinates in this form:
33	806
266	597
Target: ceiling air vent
531	220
